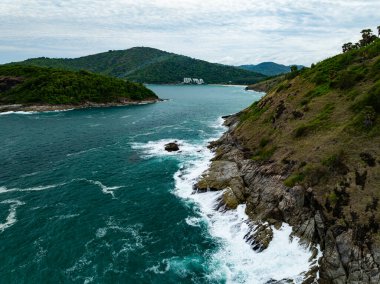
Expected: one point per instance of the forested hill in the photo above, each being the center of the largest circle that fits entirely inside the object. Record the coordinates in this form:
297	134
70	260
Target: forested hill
21	84
269	68
149	65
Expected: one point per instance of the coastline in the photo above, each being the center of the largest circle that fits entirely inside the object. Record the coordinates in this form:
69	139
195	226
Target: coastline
65	107
270	204
234	258
239	180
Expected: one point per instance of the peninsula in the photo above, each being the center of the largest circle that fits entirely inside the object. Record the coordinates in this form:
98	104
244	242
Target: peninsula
32	88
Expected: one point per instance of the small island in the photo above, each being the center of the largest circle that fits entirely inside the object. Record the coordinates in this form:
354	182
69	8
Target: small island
32	88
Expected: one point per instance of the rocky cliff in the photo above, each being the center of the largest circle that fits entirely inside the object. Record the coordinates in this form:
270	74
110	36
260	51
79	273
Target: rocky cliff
307	154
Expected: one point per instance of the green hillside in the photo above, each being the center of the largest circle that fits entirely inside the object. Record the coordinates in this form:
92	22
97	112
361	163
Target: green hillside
149	65
39	85
320	127
269	68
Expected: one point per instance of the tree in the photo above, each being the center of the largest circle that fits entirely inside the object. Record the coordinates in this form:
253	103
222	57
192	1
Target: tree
348	46
378	31
293	68
367	37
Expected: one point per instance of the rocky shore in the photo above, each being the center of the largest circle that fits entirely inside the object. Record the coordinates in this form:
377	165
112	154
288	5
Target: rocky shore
270	203
50	107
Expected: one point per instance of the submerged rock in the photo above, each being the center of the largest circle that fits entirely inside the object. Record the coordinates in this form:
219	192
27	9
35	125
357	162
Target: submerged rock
172	147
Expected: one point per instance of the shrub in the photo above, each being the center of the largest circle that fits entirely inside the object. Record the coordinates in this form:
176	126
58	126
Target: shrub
294	179
264	154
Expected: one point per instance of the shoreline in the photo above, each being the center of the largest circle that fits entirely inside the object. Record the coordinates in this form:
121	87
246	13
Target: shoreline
66	107
239	180
336	256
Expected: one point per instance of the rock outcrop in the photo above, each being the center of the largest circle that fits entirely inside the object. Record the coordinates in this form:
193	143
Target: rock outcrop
172	147
270	203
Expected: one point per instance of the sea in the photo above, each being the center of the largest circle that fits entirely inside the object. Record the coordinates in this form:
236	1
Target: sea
91	196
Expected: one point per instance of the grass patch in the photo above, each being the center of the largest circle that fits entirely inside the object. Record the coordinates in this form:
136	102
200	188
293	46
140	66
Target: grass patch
284	86
264	154
347	79
316	92
371	99
333	198
253	112
319	121
264	142
294	179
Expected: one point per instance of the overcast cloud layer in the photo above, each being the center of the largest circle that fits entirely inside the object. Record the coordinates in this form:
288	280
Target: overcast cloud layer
225	31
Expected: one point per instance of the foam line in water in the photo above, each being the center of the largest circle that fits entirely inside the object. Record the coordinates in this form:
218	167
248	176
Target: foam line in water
34	112
11	218
105	189
17	112
3	189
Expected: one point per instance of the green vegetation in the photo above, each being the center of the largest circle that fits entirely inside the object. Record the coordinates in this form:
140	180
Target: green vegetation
30	85
294	179
264	153
320	127
149	65
317	122
269	68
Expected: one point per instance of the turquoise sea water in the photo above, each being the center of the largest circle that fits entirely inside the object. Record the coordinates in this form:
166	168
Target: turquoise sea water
90	196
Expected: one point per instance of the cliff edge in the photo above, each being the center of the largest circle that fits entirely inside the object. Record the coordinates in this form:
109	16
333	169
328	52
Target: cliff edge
307	154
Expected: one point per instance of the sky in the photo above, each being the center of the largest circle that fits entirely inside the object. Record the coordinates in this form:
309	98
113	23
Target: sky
231	32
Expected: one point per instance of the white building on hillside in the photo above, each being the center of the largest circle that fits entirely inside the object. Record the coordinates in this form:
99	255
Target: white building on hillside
193	81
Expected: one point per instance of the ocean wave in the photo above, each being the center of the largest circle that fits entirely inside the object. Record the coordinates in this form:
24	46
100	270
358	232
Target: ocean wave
30	174
4	189
235	261
11	218
105	189
157	148
17	112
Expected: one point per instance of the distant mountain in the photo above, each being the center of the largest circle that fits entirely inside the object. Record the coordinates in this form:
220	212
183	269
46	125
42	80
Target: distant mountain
149	65
269	68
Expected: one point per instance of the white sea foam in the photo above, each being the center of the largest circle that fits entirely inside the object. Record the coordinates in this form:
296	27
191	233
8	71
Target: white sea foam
34	112
240	264
234	261
11	218
3	189
82	152
30	174
157	148
17	112
194	221
105	189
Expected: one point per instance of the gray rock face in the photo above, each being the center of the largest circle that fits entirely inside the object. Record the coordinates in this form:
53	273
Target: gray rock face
269	203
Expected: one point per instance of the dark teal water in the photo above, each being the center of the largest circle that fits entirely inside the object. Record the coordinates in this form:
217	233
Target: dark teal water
89	195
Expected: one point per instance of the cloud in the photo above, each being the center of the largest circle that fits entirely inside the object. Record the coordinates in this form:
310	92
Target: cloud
226	31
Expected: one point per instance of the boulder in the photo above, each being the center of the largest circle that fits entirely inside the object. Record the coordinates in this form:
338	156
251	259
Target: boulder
172	147
219	176
229	199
